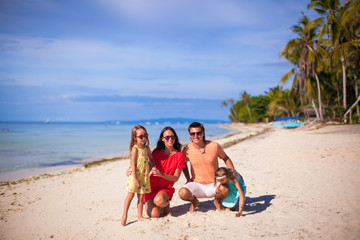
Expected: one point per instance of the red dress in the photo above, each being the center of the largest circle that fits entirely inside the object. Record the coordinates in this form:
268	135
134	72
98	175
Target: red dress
168	165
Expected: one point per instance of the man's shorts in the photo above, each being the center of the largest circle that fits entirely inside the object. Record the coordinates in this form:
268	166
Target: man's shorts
202	190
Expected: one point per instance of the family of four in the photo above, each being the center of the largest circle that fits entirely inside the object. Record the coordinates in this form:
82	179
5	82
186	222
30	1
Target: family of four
152	175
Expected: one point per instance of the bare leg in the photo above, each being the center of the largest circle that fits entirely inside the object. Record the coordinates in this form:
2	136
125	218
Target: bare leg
152	210
167	211
140	208
162	200
221	193
154	205
231	209
186	195
127	202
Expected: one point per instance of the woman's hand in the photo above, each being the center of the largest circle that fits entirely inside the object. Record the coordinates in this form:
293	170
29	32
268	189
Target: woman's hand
128	171
156	172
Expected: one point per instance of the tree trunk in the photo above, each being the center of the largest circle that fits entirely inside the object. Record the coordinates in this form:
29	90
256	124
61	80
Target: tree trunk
350	109
356	95
319	97
315	109
247	106
344	81
338	96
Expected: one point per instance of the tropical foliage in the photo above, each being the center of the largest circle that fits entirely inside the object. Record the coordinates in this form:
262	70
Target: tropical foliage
325	55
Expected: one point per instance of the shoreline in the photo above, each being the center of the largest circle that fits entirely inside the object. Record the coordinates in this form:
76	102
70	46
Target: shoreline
302	183
238	132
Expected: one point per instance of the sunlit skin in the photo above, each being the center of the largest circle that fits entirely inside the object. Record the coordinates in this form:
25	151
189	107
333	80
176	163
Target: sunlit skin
221	192
161	199
226	180
141	143
198	138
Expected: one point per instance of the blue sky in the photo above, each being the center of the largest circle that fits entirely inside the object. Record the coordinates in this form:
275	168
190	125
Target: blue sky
129	59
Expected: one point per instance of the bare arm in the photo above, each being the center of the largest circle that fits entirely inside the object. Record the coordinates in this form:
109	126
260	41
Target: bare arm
241	198
133	156
151	159
228	162
185	169
172	178
186	173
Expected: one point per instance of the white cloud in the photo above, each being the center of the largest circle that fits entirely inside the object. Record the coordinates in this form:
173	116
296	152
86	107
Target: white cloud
91	57
173	67
183	12
203	13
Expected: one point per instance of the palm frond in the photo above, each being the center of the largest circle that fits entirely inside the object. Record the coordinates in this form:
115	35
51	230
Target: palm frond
286	77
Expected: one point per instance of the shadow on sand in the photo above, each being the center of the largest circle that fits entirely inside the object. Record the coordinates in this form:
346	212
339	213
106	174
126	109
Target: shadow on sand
253	205
257	204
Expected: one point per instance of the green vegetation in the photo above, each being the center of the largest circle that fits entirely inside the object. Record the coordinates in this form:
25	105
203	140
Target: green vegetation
326	59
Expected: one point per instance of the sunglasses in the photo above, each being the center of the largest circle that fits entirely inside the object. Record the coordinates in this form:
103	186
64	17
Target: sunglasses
167	138
195	133
142	136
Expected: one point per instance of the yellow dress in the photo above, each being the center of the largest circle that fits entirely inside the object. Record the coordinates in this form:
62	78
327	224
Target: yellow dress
142	174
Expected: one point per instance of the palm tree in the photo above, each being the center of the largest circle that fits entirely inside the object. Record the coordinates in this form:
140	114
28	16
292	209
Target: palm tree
333	29
245	98
350	42
234	112
283	103
305	54
328	8
227	102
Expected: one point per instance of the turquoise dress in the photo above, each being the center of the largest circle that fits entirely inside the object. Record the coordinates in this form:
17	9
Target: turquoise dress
234	195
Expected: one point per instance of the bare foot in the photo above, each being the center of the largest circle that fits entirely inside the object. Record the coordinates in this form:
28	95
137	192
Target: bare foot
230	209
140	219
167	211
123	221
194	204
218	205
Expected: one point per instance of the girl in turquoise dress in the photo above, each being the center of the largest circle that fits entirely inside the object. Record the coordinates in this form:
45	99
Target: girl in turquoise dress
237	188
139	181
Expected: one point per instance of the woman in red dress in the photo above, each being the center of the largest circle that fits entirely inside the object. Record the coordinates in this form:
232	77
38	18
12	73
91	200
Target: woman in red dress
169	162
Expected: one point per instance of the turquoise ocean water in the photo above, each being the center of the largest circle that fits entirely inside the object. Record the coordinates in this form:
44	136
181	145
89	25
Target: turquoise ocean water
25	146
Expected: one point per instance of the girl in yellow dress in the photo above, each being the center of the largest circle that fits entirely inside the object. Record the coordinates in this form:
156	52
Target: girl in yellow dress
140	181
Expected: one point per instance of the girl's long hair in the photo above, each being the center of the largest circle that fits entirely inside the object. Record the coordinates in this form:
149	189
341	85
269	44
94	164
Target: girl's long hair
221	171
230	173
133	136
160	144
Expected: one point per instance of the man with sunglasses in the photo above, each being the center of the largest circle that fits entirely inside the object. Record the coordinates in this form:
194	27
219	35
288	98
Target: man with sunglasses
203	156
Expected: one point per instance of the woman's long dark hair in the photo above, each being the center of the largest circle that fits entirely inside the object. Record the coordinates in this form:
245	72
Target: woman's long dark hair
160	144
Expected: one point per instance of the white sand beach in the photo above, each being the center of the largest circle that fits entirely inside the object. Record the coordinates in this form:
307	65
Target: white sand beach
302	183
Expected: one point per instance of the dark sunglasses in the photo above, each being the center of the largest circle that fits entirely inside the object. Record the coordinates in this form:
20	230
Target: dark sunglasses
167	138
196	133
142	136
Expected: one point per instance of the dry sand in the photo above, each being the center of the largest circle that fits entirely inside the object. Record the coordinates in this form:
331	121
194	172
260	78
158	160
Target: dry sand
302	184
